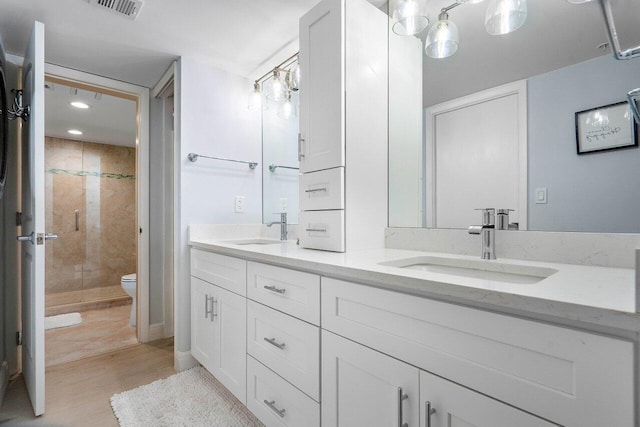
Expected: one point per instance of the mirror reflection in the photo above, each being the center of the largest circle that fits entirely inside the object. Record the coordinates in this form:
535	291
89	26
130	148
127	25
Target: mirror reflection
279	153
494	123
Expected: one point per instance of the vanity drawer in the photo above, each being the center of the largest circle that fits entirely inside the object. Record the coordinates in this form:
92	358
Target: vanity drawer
322	190
227	272
288	346
293	292
276	402
322	230
567	376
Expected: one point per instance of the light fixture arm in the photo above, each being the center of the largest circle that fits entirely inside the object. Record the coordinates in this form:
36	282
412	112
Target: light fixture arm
278	67
444	15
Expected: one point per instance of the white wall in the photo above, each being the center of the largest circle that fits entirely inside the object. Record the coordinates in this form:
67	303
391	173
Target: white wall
211	119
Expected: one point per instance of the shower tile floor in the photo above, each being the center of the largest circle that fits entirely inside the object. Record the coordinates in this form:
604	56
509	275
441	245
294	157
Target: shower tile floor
101	331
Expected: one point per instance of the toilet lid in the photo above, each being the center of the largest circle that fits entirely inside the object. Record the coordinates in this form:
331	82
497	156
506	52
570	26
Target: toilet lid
129	277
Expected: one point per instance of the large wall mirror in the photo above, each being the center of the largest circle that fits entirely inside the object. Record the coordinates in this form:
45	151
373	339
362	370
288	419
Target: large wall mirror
494	124
279	156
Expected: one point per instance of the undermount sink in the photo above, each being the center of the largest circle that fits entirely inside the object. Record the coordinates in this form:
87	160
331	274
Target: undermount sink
254	242
476	269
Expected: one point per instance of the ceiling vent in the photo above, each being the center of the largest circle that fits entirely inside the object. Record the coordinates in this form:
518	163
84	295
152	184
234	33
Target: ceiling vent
126	8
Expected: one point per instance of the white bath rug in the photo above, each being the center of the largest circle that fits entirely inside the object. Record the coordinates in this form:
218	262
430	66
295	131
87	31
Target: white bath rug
62	320
190	398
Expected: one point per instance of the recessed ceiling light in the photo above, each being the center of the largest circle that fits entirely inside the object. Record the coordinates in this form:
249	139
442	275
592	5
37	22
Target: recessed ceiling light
75	132
80	105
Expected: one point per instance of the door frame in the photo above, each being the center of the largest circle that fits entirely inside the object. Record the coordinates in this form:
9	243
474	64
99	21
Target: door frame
141	96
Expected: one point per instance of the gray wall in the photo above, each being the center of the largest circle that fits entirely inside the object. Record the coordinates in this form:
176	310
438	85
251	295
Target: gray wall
592	192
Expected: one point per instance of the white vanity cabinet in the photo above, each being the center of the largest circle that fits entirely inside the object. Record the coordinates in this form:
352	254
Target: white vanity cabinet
219	324
570	377
362	387
283	344
343	115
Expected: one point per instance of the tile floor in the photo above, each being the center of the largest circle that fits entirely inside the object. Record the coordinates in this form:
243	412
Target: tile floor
101	331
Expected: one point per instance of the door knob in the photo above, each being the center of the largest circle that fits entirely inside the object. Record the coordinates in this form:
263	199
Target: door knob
28	238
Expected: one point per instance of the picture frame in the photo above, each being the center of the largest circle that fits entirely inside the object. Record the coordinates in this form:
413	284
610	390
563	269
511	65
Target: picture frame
606	128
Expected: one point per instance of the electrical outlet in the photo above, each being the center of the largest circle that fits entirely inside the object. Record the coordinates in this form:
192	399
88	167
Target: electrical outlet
284	204
239	205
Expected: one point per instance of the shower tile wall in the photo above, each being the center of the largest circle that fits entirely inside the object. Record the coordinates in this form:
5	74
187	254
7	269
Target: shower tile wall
98	180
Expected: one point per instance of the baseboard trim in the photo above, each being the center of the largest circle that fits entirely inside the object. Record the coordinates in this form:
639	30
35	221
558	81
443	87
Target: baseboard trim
183	360
156	331
4	380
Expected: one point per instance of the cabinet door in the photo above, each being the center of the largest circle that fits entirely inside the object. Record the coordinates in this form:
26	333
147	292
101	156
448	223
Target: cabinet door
322	89
361	387
229	339
456	406
202	325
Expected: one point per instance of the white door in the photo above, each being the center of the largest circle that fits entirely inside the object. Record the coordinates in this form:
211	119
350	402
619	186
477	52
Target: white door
33	220
451	405
363	388
322	89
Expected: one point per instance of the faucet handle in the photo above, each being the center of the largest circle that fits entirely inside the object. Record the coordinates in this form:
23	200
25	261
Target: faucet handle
488	215
502	222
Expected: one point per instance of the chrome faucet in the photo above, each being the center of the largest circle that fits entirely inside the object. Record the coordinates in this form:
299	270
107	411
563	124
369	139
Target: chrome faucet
488	232
502	220
283	225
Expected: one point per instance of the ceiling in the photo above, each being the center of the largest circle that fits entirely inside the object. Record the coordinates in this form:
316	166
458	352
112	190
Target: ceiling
235	35
109	120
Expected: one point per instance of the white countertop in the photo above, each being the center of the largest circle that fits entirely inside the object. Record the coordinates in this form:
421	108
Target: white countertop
598	298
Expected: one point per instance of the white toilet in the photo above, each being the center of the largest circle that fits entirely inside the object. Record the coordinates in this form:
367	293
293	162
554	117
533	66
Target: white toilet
128	283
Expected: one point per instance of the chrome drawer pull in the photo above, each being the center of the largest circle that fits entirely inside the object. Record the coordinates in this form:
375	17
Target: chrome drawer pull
274	289
314	190
273	342
401	396
428	412
317	230
208	312
300	141
272	405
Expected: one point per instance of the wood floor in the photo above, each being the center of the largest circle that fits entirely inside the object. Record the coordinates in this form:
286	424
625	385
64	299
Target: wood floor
77	393
101	331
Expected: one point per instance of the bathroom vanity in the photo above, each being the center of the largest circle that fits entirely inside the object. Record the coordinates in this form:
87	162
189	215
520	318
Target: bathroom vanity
375	338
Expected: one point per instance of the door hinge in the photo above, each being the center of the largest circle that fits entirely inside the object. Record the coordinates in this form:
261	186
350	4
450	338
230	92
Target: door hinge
18	338
18	218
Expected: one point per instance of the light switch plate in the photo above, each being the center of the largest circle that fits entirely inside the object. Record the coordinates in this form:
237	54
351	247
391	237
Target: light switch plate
541	195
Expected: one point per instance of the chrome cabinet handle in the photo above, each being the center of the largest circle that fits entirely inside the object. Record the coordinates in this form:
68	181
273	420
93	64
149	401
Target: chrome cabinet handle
208	312
401	397
300	141
214	303
272	405
313	190
317	230
274	289
273	342
77	214
428	411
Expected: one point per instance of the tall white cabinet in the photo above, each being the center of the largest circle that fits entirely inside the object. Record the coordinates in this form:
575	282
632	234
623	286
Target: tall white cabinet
343	126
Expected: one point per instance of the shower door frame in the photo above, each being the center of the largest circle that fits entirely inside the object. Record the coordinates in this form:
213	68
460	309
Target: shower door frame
140	95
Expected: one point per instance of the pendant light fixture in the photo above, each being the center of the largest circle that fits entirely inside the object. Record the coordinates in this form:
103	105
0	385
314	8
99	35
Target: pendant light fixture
443	38
255	97
505	16
274	88
293	78
410	17
287	110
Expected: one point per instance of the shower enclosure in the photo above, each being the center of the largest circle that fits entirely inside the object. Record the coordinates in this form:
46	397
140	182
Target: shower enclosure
90	202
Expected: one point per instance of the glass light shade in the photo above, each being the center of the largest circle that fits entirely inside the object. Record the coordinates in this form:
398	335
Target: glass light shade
293	78
443	39
505	16
287	109
410	17
255	97
275	87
